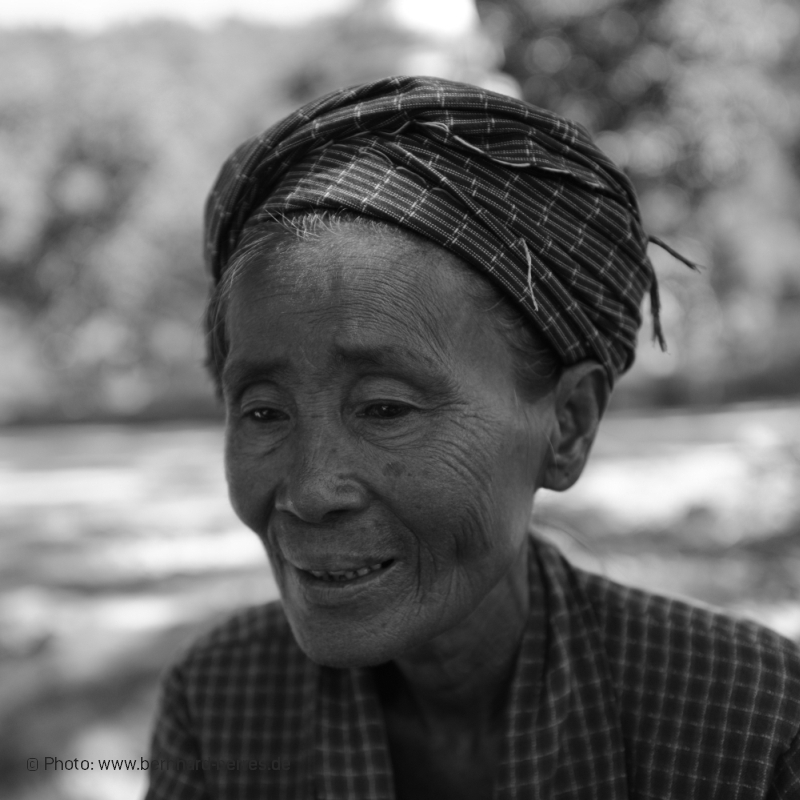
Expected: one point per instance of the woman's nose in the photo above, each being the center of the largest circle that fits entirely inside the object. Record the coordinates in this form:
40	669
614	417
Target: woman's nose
322	485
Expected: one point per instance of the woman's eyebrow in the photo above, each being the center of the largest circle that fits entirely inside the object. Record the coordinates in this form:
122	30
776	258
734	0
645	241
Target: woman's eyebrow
423	370
405	363
240	372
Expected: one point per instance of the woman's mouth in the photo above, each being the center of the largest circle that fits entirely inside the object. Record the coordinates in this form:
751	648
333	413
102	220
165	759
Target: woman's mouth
347	575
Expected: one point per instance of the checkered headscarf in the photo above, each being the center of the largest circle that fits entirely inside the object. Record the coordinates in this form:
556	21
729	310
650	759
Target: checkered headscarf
519	193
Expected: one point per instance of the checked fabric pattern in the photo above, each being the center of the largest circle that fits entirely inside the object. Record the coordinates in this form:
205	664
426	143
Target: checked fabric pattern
617	694
518	192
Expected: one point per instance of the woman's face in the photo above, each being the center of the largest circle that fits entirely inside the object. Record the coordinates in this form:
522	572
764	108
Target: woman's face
375	440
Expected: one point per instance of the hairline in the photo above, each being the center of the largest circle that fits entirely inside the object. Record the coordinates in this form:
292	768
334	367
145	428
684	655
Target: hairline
270	235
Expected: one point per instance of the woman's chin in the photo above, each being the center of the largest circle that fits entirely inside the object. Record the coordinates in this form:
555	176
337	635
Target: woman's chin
341	650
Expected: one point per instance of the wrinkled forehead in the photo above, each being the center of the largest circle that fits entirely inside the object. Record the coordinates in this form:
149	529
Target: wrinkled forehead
364	280
351	263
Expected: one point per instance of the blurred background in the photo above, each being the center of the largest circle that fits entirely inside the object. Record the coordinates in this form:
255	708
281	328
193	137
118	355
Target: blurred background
116	541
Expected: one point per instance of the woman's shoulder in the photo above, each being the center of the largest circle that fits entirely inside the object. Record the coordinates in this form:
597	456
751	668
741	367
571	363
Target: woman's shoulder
649	628
253	626
688	673
235	701
703	698
254	641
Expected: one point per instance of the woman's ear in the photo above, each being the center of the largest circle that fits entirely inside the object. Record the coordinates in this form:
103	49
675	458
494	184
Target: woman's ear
581	397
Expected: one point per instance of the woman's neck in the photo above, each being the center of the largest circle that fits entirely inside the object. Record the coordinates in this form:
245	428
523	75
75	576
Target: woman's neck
463	675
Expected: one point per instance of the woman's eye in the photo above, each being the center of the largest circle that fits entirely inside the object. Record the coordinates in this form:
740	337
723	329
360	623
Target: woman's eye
266	415
385	410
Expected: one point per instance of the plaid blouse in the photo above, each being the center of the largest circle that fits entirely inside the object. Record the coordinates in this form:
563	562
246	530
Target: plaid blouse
617	694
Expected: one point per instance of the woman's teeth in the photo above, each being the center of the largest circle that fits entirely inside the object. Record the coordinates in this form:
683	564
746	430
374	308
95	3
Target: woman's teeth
345	575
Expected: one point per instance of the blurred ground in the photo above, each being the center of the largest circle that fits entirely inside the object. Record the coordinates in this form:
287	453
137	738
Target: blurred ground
118	546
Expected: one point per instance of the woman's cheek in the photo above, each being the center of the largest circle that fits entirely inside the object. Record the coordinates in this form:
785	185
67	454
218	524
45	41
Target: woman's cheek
439	503
475	510
251	479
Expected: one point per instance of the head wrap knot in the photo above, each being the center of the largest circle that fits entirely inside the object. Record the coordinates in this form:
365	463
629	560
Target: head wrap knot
519	193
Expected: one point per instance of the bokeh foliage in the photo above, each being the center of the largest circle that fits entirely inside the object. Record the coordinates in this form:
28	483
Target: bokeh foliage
109	142
700	101
108	146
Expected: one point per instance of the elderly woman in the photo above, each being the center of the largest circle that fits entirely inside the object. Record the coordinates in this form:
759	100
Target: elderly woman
424	293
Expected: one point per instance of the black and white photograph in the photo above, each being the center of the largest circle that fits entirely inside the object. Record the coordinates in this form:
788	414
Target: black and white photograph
400	400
